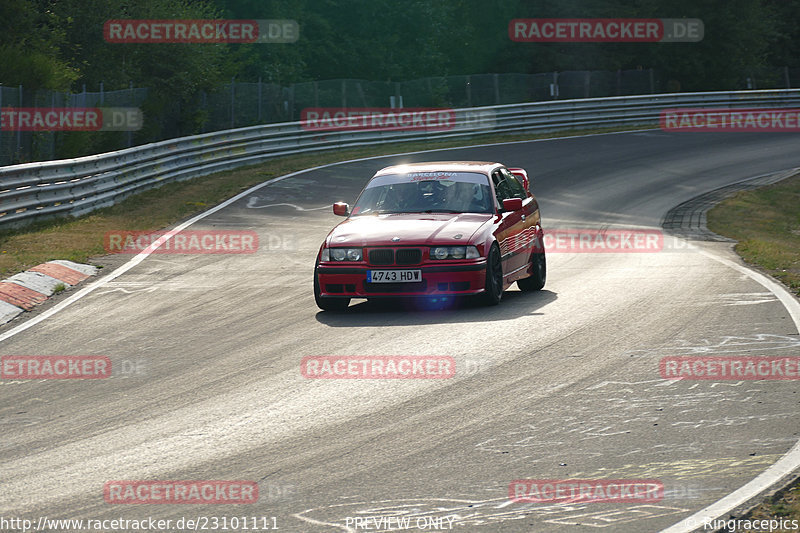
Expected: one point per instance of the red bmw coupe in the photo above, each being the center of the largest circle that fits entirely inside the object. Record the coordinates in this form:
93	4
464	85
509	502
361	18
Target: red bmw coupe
434	229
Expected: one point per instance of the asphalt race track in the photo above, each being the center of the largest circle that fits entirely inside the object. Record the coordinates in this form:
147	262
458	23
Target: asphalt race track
560	384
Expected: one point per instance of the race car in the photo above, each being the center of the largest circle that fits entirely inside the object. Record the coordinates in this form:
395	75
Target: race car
434	229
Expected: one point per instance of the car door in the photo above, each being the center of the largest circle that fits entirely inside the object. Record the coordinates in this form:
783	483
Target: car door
530	219
510	229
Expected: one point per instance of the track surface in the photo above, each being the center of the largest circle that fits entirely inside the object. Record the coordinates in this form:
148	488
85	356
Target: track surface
559	384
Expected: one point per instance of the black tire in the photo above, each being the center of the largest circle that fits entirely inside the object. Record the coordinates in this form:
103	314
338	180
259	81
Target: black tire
494	277
539	274
328	304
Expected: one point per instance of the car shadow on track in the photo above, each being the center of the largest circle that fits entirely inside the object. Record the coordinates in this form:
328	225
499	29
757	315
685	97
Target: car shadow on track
408	312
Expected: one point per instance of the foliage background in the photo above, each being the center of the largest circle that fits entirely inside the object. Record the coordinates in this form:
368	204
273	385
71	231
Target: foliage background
59	45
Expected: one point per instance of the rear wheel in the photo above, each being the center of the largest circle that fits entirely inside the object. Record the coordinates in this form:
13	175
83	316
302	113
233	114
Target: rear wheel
494	277
538	274
328	304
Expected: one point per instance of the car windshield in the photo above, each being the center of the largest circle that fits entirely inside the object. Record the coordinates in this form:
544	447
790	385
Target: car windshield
426	192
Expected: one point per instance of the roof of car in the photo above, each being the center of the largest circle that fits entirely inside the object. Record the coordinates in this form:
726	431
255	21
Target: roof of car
440	166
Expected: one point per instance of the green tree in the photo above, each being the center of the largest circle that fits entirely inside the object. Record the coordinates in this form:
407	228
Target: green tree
29	41
174	73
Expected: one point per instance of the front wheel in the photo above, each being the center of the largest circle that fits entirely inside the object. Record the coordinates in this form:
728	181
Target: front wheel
494	277
328	304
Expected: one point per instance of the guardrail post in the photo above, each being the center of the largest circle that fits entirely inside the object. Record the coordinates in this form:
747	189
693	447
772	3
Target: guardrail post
554	86
131	103
363	96
232	102
2	159
51	153
587	83
19	130
291	103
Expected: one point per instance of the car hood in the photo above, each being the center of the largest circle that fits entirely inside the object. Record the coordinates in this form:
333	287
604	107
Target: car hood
436	228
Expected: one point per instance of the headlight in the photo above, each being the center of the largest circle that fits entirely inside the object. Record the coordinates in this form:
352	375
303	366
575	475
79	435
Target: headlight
454	252
440	252
341	254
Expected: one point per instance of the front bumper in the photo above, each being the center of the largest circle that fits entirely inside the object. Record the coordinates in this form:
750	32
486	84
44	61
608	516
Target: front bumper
350	281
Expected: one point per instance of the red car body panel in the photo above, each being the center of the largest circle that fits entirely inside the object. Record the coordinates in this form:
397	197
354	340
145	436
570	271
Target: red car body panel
516	233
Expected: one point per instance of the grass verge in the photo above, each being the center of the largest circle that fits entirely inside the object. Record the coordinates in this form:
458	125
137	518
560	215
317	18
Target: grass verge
784	508
78	239
766	222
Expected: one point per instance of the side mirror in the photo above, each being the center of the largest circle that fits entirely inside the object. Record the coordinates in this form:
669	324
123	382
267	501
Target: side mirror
341	209
512	204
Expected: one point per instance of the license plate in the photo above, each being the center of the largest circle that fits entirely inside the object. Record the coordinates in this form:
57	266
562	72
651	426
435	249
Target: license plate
394	276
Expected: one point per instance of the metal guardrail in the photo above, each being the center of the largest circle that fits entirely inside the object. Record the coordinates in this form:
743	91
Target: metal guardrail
35	191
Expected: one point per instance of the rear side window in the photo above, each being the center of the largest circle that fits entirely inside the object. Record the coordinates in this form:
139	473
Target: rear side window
517	190
507	186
